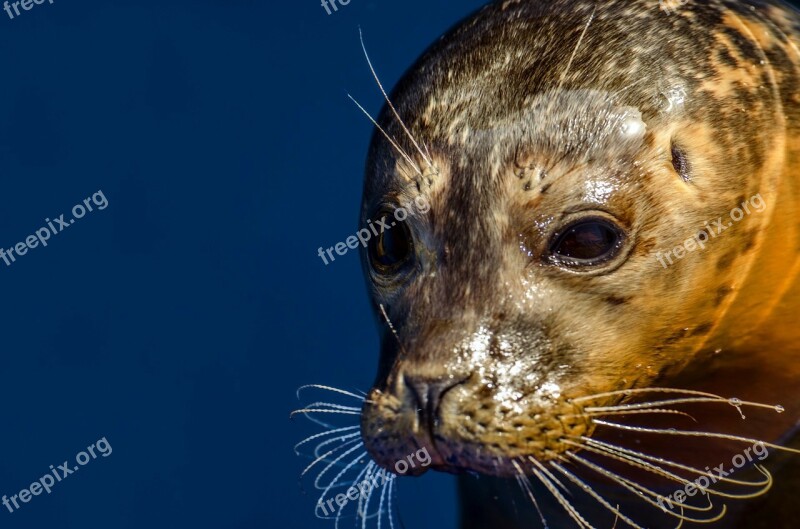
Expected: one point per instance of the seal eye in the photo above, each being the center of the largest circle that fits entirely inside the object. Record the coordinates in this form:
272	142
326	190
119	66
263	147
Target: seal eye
589	241
391	248
680	163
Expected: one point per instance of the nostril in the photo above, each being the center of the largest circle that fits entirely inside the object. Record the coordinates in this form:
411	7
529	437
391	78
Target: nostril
427	393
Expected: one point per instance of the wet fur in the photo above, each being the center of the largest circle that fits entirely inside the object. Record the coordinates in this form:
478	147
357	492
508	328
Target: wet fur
507	127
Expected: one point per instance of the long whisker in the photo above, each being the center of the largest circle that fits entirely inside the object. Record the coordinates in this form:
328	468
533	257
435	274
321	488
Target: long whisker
639	490
336	479
572	58
323	410
573	513
389	102
660	471
391	512
361	511
638	391
341	473
626	451
549	474
365	513
380	504
525	484
324	456
642	492
341	439
388	138
715	398
631	85
736	403
357	480
332	406
595	413
328	388
685	433
590	491
323	434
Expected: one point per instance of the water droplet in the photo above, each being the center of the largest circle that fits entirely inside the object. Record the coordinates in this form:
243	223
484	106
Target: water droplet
737	403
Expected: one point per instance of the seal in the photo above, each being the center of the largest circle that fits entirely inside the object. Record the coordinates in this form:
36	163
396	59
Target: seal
536	328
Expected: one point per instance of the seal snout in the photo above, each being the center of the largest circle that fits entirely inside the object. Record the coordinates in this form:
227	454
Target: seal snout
424	396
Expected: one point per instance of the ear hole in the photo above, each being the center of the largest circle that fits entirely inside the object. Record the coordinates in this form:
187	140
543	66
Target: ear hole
680	163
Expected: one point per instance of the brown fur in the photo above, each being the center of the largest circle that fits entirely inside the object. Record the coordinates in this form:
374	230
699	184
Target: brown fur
520	109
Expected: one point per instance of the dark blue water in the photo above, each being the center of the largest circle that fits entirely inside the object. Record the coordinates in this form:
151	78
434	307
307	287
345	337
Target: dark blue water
176	321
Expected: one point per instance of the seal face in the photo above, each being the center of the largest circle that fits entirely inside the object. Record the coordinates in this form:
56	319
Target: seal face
563	146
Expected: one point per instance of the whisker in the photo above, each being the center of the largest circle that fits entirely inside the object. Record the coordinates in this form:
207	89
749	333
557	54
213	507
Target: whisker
365	512
590	491
319	422
323	434
391	512
336	478
524	483
659	471
386	135
328	388
685	433
573	513
323	410
637	488
549	474
389	102
631	85
737	403
595	413
391	328
638	391
361	511
572	58
344	470
641	491
322	457
358	477
332	406
342	438
626	451
380	504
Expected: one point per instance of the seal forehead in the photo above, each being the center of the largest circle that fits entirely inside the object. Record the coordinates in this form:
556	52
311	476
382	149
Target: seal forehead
492	70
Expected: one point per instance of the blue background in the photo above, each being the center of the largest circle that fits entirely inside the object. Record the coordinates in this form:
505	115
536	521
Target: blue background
178	322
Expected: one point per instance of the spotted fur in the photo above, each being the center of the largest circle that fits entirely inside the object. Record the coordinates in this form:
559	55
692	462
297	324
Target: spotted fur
514	122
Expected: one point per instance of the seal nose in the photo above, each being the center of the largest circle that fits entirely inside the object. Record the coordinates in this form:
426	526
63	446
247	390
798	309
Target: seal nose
426	396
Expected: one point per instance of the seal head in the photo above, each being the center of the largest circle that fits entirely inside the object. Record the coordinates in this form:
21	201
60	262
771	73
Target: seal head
563	146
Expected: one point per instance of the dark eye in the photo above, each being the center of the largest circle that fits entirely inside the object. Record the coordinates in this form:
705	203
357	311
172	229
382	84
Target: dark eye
680	163
587	242
391	248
